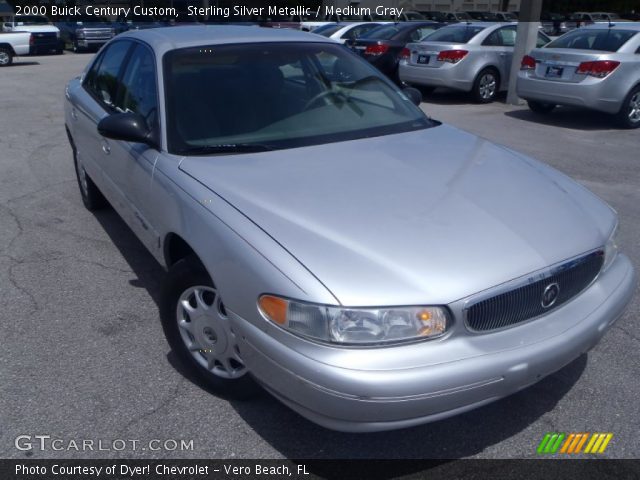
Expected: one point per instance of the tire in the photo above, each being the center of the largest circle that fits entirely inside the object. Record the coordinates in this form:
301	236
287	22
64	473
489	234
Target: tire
426	90
541	108
629	114
198	330
486	86
6	57
92	198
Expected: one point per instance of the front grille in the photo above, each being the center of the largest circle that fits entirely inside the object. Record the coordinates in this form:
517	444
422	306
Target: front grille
98	34
526	302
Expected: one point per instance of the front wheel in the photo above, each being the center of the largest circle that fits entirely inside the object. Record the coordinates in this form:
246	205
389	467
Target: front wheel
629	114
92	198
539	107
199	331
6	57
486	86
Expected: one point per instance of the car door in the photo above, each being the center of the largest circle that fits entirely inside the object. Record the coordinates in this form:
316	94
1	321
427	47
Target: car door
94	102
131	164
499	45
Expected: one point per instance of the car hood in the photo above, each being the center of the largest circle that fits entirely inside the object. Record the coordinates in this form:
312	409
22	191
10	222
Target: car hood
425	217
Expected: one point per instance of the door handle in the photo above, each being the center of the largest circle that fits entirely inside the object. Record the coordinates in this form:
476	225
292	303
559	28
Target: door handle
106	148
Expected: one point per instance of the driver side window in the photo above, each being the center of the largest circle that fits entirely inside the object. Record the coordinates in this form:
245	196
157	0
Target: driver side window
138	91
103	80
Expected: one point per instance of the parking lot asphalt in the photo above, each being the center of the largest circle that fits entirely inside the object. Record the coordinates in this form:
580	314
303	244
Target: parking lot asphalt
83	355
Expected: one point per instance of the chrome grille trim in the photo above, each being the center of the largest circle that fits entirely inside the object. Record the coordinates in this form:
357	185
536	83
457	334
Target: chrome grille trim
520	301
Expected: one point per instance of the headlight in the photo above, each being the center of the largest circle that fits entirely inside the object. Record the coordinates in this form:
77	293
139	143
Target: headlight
611	249
355	326
80	33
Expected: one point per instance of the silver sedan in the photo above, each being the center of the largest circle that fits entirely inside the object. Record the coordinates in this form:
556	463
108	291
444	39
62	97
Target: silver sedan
596	67
369	266
472	57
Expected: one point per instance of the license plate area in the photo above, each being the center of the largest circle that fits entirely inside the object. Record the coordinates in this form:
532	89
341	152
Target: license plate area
424	59
554	72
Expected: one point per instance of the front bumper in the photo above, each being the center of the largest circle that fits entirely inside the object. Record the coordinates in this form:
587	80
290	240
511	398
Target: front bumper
448	76
351	390
592	93
91	42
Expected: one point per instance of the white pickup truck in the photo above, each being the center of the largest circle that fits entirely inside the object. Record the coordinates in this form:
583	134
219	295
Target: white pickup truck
46	36
13	44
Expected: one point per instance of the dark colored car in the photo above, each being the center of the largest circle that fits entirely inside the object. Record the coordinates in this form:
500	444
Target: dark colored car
435	16
484	16
137	22
382	46
458	17
85	32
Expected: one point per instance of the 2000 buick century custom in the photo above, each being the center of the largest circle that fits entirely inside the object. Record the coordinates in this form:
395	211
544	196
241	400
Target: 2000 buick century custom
369	266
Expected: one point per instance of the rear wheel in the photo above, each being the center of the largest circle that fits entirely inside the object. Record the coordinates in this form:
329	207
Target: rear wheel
6	57
199	331
486	86
540	107
629	114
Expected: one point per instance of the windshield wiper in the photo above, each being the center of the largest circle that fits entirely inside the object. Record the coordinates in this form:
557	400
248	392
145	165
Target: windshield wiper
226	148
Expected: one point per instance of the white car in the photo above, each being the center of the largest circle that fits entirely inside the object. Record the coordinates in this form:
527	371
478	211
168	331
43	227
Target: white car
345	32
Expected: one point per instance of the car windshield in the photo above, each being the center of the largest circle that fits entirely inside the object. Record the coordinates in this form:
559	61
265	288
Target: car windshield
31	20
241	98
384	32
454	34
607	40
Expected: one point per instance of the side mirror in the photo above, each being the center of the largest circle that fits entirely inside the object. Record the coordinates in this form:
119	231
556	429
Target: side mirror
414	95
130	127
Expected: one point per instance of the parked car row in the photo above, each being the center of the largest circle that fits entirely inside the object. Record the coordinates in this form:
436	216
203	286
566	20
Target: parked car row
596	67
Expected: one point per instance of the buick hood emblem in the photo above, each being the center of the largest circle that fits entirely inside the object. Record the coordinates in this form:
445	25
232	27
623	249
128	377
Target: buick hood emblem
550	295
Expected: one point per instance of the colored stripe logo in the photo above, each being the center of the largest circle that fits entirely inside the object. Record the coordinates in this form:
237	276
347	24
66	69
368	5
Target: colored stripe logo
574	443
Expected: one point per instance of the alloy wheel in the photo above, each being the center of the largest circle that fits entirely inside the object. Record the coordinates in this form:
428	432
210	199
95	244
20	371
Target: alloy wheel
205	330
4	58
634	108
488	86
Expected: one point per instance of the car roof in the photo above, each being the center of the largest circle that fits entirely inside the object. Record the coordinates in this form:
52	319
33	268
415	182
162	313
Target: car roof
481	24
170	38
615	26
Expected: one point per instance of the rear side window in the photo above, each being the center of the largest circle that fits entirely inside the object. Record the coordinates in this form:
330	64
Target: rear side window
421	33
503	37
357	32
102	81
454	34
383	33
327	32
608	40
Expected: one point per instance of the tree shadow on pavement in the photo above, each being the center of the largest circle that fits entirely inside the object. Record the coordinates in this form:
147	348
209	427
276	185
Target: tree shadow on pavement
568	117
23	64
442	96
